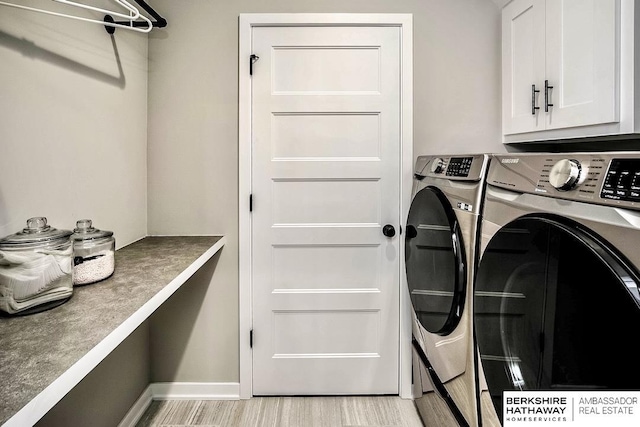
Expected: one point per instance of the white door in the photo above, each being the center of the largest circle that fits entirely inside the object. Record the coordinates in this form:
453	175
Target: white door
523	59
581	62
325	180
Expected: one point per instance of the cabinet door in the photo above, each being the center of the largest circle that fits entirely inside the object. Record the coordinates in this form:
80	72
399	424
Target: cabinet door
523	65
581	63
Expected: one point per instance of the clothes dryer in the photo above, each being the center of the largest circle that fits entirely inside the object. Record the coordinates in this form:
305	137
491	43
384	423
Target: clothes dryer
441	238
557	300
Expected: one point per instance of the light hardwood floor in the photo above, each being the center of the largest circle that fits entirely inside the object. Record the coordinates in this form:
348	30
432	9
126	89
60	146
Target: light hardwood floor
330	411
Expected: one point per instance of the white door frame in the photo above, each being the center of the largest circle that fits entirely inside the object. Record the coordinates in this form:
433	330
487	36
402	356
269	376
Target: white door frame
246	23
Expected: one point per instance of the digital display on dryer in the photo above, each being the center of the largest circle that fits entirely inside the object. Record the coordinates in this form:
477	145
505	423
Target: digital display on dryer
459	166
622	181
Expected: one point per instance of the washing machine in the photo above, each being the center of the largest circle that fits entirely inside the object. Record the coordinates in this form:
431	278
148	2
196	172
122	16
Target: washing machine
557	301
441	238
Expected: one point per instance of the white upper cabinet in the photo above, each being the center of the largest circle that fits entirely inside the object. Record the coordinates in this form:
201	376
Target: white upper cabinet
580	63
523	59
564	68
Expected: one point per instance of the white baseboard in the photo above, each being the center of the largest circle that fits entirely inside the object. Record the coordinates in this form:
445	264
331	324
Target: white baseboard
195	391
179	391
137	410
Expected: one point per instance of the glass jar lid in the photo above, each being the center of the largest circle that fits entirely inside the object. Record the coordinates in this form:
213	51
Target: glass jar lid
85	231
37	233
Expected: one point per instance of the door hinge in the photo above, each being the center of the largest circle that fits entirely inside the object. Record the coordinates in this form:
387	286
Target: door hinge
251	338
250	202
252	60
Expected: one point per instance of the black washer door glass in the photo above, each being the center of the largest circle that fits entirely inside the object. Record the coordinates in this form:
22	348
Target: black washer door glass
434	255
555	309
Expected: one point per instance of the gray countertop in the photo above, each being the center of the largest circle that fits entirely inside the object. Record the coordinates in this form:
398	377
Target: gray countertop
37	349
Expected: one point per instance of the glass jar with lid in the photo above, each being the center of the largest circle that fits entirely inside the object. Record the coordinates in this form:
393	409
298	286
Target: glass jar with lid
93	253
35	268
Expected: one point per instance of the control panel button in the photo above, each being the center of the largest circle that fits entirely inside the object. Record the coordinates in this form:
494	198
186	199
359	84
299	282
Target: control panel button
437	166
565	174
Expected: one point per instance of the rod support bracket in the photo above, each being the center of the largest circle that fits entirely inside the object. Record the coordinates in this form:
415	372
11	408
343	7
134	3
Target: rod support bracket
109	28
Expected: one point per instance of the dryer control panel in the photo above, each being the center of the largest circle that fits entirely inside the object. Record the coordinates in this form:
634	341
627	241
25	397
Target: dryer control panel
459	166
454	168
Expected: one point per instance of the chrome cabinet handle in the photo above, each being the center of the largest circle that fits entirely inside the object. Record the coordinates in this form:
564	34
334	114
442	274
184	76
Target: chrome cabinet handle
547	104
533	100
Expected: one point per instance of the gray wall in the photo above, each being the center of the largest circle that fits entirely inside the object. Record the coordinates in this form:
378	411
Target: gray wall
73	144
193	127
104	397
73	124
185	331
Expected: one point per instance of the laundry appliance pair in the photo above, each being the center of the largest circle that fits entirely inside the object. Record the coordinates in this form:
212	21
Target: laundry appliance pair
523	275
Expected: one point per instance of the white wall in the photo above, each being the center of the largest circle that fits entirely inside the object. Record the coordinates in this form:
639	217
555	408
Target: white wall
73	124
193	131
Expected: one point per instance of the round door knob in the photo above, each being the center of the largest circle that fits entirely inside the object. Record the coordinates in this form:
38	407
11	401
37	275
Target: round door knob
565	174
411	232
437	165
388	230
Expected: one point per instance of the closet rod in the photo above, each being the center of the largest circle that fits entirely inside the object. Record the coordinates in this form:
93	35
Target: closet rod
131	21
133	12
159	22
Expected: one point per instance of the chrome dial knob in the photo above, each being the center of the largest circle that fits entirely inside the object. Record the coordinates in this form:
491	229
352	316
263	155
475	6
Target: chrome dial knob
437	165
565	174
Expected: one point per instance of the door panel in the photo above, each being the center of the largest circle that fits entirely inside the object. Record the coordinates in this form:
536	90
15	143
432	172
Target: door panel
322	202
523	64
581	62
304	267
296	333
321	140
325	179
326	69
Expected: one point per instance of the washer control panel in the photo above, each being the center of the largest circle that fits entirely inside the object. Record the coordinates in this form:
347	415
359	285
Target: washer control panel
573	177
609	178
622	181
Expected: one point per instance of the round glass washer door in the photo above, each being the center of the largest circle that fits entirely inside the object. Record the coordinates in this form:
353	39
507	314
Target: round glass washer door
435	262
555	308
